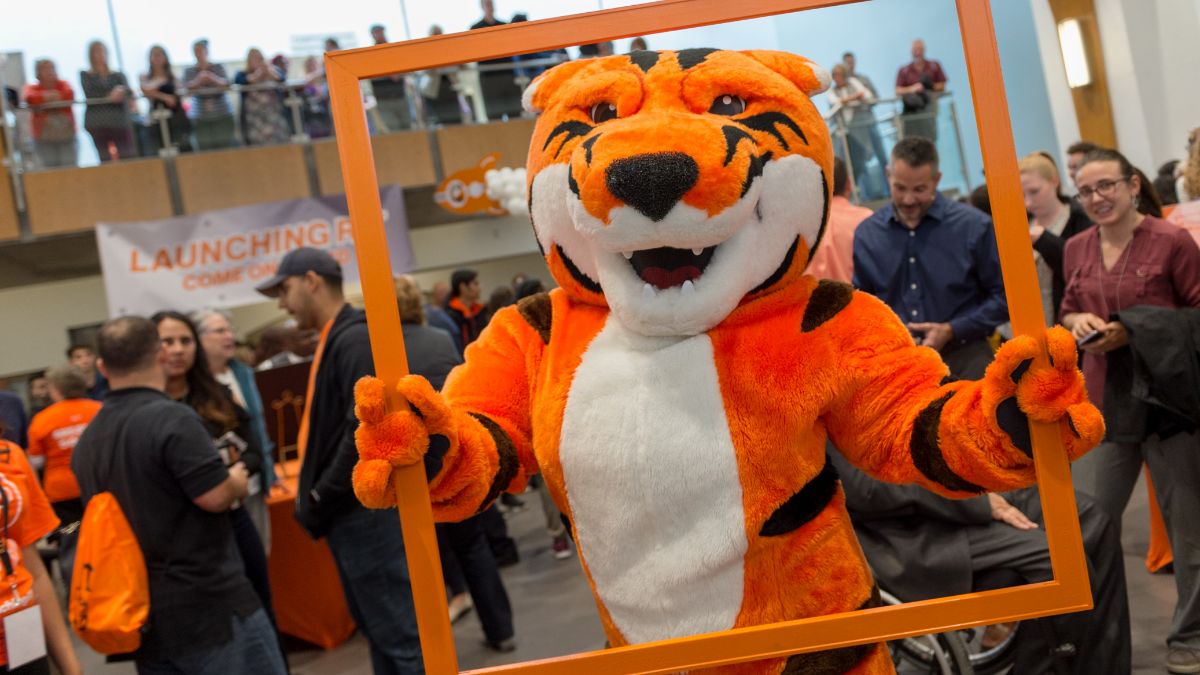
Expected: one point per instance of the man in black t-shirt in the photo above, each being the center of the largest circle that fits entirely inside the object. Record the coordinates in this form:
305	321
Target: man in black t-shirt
156	458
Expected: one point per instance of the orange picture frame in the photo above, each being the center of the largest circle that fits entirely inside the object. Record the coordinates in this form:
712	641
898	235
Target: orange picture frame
1069	591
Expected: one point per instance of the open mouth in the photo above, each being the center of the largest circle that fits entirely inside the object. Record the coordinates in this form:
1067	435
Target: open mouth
666	267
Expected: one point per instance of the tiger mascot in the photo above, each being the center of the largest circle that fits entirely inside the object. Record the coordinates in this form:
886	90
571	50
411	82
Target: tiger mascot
676	392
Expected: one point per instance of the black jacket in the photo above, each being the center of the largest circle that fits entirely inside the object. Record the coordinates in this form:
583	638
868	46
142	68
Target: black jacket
325	491
1155	381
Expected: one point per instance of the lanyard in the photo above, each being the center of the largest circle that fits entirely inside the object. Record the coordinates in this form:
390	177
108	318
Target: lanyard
5	557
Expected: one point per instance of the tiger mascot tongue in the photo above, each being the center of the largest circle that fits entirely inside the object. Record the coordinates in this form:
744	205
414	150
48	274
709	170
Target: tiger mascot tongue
677	391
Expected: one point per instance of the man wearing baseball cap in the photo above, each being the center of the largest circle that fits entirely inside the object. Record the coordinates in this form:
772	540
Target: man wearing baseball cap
366	545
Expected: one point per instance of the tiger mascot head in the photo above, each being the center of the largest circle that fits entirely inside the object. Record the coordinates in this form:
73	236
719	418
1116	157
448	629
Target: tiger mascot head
674	186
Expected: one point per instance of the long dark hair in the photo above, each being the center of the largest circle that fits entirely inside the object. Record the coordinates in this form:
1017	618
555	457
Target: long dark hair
166	65
205	395
1149	203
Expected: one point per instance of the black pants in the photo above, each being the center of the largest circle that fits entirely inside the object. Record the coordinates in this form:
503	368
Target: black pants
1101	636
469	546
968	361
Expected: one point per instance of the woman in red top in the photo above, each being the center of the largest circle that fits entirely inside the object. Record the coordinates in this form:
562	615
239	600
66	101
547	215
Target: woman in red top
53	121
26	517
1133	259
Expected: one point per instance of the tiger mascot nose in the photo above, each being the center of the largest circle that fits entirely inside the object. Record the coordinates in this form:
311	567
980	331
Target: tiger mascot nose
652	183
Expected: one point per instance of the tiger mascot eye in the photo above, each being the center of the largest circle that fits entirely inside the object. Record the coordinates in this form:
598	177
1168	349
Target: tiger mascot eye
677	390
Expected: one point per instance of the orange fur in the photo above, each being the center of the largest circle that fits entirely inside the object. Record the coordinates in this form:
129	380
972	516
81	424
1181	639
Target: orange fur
796	363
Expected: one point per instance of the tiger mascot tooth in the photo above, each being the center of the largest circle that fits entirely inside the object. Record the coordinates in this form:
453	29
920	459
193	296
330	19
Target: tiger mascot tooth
677	390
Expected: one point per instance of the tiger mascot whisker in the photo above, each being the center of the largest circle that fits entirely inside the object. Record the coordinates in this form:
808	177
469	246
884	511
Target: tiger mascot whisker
677	390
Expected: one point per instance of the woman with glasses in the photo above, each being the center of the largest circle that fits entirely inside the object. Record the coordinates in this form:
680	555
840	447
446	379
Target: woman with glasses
1135	260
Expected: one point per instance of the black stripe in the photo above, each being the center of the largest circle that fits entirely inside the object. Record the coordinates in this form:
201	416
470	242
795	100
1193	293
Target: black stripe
803	506
435	456
537	311
690	58
834	661
644	59
769	121
507	455
754	171
577	275
574	186
812	245
927	451
779	271
571	128
732	136
587	149
827	299
1014	423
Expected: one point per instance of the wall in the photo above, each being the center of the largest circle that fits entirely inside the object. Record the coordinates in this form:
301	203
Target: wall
1062	105
39	316
1149	51
880	33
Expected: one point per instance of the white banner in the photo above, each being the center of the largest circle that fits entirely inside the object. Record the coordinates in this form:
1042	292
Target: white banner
216	259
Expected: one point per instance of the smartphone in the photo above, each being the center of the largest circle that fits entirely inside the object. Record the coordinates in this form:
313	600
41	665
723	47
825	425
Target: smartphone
1091	337
231	447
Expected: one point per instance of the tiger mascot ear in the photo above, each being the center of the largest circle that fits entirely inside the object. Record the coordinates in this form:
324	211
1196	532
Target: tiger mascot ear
809	77
539	91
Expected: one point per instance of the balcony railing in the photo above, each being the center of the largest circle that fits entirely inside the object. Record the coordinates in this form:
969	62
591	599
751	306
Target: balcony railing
864	137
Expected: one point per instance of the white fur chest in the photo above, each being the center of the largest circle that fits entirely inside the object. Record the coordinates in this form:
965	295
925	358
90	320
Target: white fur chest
652	479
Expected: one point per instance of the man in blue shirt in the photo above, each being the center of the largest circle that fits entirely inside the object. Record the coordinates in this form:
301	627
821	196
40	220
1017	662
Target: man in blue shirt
934	262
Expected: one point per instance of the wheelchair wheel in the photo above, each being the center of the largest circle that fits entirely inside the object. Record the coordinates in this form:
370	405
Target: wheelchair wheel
954	653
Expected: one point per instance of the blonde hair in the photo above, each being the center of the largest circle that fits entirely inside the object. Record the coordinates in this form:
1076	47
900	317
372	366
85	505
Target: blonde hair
409	299
1040	165
1191	172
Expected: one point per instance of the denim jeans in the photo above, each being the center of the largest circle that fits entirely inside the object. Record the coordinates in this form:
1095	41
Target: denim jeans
252	651
369	551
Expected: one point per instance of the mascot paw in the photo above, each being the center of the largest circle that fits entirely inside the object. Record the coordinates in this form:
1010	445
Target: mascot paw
373	484
390	439
1050	395
1045	394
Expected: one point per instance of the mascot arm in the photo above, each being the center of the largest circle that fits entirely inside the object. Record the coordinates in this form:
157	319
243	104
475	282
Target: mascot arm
474	437
895	419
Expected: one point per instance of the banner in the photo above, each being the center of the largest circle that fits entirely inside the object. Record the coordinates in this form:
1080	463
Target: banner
215	259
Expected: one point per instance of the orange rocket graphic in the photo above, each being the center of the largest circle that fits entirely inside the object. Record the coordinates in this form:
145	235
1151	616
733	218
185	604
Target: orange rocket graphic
465	192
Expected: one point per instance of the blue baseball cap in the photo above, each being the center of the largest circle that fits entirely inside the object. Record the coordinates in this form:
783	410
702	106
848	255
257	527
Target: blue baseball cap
298	263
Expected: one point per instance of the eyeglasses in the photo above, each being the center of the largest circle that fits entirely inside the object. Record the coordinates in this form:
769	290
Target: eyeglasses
1104	188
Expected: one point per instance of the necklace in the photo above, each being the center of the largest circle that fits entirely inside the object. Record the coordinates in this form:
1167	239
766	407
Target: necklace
1127	253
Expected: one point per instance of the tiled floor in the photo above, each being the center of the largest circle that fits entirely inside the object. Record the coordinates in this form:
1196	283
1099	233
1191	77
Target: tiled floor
554	613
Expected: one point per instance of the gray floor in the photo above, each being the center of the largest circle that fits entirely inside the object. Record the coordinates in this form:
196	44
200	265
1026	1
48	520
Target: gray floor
555	615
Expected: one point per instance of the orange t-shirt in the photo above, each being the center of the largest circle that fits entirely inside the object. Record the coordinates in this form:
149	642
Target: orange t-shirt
53	435
29	519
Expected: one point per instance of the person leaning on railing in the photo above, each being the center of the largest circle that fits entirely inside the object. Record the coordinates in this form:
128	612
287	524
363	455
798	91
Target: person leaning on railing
53	121
263	121
159	87
108	122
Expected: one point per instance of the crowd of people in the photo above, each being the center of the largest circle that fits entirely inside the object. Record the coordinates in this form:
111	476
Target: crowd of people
1115	272
191	110
852	98
172	401
1126	283
164	412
